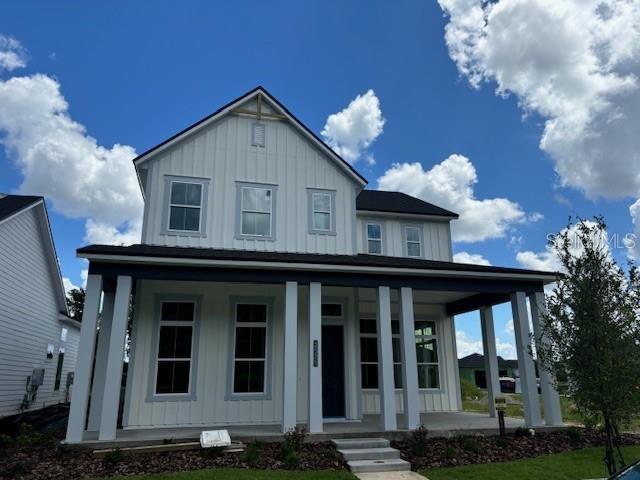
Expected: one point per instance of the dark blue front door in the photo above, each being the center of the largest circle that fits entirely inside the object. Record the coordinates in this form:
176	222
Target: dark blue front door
332	371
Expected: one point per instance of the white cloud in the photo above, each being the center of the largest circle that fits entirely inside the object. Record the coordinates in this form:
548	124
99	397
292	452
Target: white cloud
351	131
466	345
577	64
508	328
68	285
12	54
474	258
450	184
632	241
506	350
59	160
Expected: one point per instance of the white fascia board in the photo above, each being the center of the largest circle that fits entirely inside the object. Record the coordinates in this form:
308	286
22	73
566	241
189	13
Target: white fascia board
225	111
314	267
415	216
69	321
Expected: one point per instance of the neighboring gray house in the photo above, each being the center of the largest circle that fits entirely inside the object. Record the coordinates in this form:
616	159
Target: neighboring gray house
38	340
271	289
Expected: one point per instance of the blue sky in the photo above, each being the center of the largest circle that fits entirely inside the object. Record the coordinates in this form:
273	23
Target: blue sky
134	73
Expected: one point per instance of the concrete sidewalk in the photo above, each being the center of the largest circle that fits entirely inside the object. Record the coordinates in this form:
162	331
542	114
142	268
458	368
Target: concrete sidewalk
390	476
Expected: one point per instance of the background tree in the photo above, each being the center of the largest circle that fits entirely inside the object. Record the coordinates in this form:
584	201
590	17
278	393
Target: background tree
591	331
75	303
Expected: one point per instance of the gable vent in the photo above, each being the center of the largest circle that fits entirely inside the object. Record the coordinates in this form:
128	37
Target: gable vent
257	138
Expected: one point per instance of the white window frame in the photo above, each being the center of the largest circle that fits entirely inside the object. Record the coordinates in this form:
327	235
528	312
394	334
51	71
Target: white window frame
377	364
193	207
314	211
407	241
234	359
426	338
174	323
240	188
369	239
331	194
202	218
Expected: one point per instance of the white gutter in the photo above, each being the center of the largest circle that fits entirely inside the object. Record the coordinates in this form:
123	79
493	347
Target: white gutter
313	266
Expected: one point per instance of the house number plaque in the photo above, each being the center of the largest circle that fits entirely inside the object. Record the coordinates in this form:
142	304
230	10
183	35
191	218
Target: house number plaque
315	353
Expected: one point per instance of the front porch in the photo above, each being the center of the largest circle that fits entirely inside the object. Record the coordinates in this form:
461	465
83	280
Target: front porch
440	424
392	348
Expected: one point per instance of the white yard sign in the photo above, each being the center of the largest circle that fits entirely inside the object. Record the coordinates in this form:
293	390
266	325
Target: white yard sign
215	438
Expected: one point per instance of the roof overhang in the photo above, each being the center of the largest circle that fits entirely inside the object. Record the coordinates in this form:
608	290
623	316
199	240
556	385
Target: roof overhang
408	216
228	108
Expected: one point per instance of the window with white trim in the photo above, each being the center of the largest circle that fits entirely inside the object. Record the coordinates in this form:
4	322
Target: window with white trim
369	353
185	206
427	354
374	238
321	211
413	241
256	211
175	346
250	352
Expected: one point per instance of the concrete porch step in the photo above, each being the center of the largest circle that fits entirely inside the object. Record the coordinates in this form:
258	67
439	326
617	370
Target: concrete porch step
360	443
373	466
385	453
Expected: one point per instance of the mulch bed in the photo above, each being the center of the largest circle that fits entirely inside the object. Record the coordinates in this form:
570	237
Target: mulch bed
440	452
46	460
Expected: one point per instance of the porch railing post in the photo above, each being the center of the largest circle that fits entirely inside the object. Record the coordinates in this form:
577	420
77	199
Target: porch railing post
490	357
315	357
84	362
409	359
385	361
115	358
550	397
525	361
289	402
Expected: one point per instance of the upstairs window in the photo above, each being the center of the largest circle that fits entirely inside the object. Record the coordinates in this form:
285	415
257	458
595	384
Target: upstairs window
413	241
322	211
186	199
256	204
374	238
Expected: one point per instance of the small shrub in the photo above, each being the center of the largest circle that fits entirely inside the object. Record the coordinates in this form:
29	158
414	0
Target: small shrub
114	457
252	453
468	390
28	436
290	458
6	441
294	438
574	434
418	441
502	442
450	453
522	432
167	441
470	444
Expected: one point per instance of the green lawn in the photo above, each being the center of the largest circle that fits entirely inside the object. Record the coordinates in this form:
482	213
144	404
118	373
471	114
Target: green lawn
578	464
237	474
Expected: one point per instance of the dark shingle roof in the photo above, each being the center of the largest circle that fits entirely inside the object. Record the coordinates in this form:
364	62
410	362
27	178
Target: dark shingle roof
11	204
475	360
397	202
362	260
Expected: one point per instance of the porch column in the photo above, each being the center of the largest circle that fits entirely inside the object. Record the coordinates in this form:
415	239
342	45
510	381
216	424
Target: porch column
386	384
315	358
409	359
490	357
100	368
113	372
525	361
289	402
86	347
550	397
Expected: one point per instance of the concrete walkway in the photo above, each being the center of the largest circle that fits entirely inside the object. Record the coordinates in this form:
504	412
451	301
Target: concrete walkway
390	476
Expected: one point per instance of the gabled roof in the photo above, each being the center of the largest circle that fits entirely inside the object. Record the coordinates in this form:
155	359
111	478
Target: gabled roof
475	360
344	165
398	202
12	205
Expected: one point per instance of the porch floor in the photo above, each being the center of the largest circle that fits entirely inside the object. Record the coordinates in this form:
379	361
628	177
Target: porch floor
440	424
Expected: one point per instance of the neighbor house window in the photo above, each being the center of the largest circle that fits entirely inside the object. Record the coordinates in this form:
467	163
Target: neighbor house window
374	238
369	353
175	346
413	241
427	354
322	211
56	383
185	206
186	199
250	354
256	207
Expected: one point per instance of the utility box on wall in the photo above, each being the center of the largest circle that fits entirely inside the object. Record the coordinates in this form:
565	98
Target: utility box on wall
37	377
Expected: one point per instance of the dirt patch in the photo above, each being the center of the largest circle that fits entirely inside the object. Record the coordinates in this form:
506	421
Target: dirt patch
439	452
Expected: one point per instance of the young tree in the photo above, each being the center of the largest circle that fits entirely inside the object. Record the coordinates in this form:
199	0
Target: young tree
75	303
591	331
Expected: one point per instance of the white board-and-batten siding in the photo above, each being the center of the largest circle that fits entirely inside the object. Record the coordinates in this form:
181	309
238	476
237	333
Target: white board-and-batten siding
211	405
29	309
223	154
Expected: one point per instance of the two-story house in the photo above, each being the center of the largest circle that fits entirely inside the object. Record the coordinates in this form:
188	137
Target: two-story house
272	289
